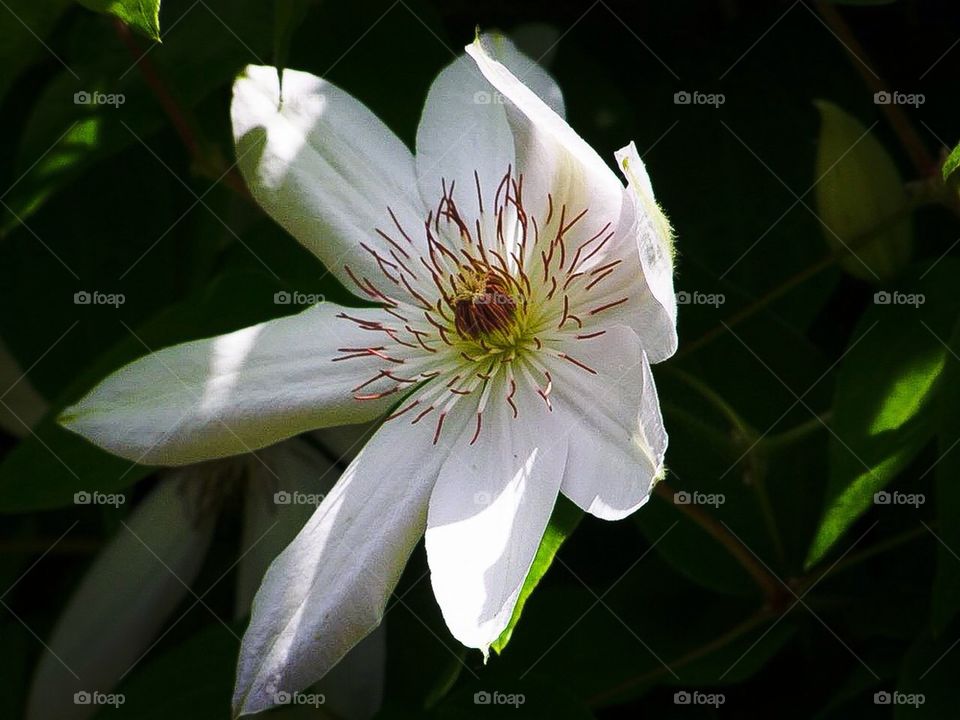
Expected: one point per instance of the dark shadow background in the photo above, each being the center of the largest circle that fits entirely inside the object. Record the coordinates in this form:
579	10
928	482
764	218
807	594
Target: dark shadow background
114	200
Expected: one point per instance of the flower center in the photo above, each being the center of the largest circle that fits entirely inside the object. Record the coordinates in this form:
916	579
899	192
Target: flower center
482	304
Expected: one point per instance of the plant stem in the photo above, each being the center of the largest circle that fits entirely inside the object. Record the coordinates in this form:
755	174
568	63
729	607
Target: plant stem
881	547
761	616
746	432
759	485
920	157
185	127
870	235
782	440
755	620
772	589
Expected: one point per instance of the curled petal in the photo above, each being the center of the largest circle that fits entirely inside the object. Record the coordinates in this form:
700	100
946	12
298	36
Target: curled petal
617	441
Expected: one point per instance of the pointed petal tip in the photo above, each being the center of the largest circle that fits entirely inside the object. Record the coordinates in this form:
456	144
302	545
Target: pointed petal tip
67	417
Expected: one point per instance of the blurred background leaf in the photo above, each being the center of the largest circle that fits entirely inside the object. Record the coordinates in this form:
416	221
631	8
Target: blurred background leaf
795	395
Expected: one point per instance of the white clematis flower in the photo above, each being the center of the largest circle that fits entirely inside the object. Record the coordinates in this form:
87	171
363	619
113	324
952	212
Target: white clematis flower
115	617
522	293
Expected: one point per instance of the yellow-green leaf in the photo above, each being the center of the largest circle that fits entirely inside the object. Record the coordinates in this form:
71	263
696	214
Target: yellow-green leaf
566	516
951	165
886	401
860	198
144	15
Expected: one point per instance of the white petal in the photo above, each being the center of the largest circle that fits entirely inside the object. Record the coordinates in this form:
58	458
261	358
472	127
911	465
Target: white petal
488	513
527	69
617	441
323	166
123	600
285	484
464	127
551	156
21	406
638	292
658	304
233	393
328	589
554	159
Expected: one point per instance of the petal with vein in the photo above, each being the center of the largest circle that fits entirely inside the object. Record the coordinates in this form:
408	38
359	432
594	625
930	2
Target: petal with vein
329	588
323	166
282	484
551	156
464	127
488	513
233	393
617	439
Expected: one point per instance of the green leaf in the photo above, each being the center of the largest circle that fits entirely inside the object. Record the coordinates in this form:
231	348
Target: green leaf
930	668
946	584
951	164
287	16
192	679
701	470
418	623
858	190
62	139
619	649
144	15
26	27
46	469
564	520
884	409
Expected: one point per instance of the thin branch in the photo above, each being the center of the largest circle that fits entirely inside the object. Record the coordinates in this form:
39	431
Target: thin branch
920	157
773	590
184	126
863	239
755	620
